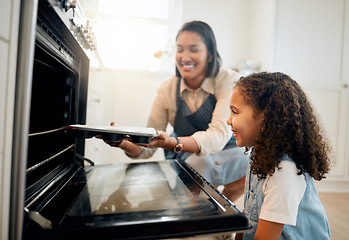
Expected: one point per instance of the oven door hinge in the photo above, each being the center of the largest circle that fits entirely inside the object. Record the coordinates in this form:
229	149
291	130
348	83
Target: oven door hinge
39	219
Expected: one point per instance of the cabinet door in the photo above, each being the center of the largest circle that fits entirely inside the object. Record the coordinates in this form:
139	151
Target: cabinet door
94	147
310	42
5	17
3	87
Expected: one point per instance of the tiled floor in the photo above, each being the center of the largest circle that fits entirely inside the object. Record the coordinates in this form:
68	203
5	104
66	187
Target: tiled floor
337	210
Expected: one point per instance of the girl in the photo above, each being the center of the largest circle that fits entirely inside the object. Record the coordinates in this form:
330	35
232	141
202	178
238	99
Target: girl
272	118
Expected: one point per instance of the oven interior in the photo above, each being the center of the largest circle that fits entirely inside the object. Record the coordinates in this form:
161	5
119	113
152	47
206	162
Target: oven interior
58	99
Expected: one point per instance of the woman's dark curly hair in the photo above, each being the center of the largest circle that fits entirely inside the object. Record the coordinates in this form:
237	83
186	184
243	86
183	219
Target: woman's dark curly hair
289	126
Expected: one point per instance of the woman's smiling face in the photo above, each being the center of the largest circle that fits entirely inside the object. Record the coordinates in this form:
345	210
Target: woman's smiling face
191	56
244	121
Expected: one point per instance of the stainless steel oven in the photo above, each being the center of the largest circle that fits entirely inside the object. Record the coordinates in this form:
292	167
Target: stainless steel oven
54	194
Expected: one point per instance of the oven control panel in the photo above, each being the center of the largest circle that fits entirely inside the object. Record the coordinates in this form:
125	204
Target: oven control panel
73	16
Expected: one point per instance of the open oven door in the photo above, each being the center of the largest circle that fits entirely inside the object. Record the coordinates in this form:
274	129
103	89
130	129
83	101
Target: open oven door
141	200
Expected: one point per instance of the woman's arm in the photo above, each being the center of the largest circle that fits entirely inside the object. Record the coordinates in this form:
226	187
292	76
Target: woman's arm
268	230
218	133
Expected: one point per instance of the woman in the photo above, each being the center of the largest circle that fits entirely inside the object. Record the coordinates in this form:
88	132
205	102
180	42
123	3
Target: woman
196	103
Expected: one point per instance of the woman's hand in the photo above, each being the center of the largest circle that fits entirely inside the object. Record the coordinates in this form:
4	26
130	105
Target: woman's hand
128	147
121	144
163	140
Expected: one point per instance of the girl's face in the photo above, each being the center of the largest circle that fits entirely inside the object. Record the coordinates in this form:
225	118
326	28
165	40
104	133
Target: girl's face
191	56
244	123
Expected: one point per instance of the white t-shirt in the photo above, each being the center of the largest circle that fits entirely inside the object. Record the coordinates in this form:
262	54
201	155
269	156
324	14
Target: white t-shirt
283	193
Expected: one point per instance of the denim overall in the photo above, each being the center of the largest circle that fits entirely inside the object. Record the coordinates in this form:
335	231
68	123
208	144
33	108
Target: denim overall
187	123
311	218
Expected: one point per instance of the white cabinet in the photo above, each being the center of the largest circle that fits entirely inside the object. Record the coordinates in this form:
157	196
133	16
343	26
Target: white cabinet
312	46
5	18
4	162
3	84
94	148
9	21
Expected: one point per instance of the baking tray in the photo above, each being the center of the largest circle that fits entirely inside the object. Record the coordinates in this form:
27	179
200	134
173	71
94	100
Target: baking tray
139	135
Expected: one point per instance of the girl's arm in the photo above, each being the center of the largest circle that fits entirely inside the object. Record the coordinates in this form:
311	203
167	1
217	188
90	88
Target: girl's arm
268	230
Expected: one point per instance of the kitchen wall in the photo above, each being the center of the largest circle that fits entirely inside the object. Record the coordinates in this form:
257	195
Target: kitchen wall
237	24
230	22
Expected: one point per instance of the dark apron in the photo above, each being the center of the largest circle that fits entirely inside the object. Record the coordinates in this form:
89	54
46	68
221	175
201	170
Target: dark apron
187	123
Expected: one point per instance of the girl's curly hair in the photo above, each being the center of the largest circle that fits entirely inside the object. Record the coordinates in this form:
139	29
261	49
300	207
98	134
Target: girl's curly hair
289	126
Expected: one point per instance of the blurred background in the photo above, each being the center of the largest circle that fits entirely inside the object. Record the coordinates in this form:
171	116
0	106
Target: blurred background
308	40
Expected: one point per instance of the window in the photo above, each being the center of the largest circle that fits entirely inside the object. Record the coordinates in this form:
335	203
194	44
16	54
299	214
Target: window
130	32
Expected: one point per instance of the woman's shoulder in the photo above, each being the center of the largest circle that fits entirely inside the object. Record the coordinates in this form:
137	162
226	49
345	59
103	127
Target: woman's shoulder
225	80
168	83
228	73
226	76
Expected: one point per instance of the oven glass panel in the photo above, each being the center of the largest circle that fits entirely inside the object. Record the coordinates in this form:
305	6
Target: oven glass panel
146	200
151	186
142	200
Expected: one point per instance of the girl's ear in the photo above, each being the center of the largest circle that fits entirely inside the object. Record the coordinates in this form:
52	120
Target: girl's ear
210	59
260	116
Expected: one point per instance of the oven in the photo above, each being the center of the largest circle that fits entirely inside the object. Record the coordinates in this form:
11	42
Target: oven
56	193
